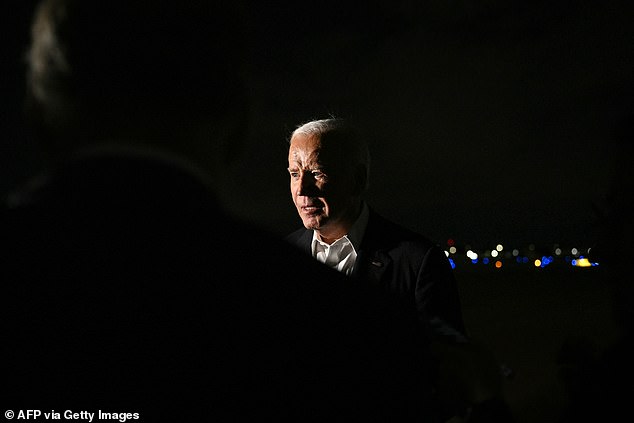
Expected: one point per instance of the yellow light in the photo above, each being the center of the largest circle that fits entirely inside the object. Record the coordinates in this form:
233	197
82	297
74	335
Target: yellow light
498	264
583	262
538	263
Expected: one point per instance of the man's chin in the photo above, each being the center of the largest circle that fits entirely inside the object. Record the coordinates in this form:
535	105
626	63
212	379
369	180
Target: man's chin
312	224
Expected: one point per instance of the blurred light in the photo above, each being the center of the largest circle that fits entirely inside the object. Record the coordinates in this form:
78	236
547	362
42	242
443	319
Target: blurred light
450	242
472	255
485	260
583	262
574	251
524	259
498	264
453	264
531	247
499	247
546	261
447	253
494	253
474	261
557	251
452	250
516	252
537	263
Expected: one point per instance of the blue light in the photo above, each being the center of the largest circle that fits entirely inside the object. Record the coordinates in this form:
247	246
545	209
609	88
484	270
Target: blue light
474	261
485	260
546	261
453	264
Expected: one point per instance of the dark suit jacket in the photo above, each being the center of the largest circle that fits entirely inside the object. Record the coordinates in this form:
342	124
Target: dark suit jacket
407	264
126	288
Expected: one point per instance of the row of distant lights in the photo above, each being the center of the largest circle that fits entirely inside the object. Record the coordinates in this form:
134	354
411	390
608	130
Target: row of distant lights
542	262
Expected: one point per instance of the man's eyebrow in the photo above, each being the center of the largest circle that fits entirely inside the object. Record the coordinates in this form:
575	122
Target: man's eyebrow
311	168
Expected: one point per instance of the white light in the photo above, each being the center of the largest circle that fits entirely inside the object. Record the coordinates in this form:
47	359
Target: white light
447	253
558	251
499	247
494	253
574	251
516	252
472	255
452	250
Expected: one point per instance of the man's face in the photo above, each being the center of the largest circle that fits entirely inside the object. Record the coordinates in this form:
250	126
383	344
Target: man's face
322	186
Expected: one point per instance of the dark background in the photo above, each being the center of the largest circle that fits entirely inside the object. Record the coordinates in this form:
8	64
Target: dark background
488	121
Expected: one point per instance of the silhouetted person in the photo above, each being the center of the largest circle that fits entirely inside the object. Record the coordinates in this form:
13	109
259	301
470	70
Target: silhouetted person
127	288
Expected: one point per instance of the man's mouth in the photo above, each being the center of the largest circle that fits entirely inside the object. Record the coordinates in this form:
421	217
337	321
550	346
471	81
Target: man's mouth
311	209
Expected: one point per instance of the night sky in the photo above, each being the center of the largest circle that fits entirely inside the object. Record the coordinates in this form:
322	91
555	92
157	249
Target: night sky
487	122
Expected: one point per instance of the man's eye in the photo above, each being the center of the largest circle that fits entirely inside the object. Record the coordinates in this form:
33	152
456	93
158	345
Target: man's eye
318	175
294	175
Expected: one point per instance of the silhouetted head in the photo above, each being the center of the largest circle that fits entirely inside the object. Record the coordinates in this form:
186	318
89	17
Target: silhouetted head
166	75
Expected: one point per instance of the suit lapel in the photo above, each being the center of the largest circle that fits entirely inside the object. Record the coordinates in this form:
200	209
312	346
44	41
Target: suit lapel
305	241
372	261
371	265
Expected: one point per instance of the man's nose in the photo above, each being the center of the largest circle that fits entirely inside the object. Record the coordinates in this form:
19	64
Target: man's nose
306	185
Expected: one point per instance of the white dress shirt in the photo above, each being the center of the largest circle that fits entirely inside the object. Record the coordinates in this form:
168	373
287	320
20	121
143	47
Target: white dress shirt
342	254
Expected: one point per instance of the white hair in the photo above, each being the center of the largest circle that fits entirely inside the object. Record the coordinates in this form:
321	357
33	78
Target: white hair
351	140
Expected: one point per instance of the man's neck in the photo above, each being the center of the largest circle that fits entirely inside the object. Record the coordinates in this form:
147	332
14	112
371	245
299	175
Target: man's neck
330	238
342	228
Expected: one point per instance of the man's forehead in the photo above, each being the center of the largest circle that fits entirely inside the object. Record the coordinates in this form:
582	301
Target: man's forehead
311	150
304	152
302	160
